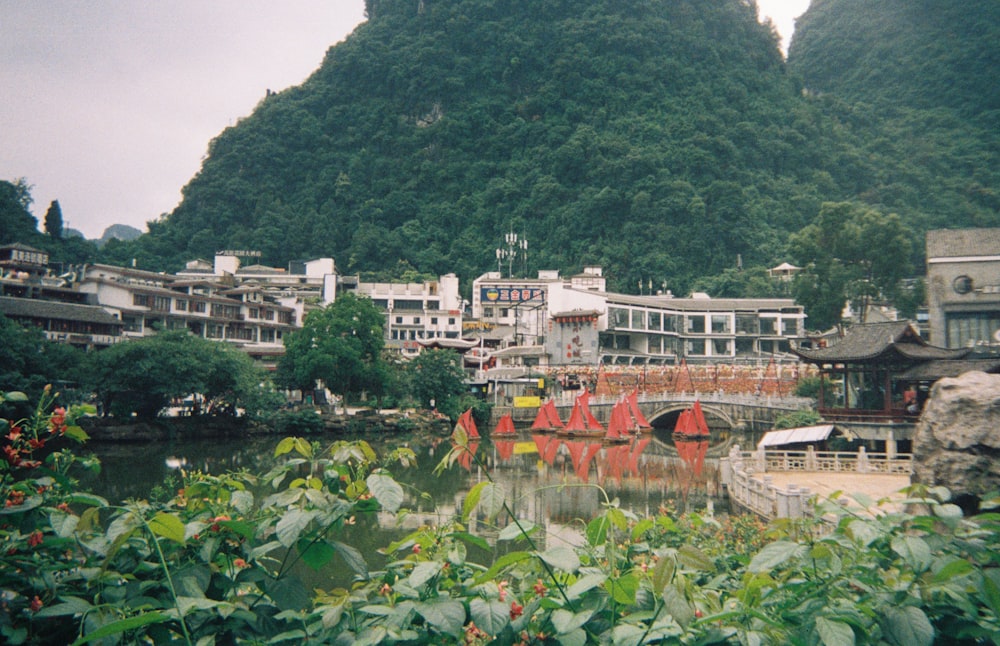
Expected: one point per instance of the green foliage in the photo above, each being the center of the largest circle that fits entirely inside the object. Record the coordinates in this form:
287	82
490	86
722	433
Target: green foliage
143	375
28	361
54	220
216	564
16	222
797	419
849	253
341	345
437	375
809	386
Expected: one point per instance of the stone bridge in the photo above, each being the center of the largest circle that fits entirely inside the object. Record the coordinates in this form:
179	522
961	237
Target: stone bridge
723	412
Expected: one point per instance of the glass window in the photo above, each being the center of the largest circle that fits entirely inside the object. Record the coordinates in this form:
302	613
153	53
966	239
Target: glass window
669	323
434	320
696	347
488	311
618	317
655	321
399	320
655	345
720	324
789	327
638	320
768	326
746	324
721	347
696	325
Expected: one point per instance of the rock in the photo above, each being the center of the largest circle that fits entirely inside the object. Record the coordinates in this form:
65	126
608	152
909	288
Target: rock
957	441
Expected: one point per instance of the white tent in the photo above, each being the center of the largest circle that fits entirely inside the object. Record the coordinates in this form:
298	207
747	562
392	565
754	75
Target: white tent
795	435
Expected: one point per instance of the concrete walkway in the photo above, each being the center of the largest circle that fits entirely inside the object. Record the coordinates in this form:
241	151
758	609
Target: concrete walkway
824	483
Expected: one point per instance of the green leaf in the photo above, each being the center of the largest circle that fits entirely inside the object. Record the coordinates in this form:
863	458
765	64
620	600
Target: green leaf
353	558
87	499
677	605
908	626
623	588
63	524
303	447
15	396
168	526
123	625
69	606
291	524
284	446
597	530
76	433
562	558
288	593
498	565
424	572
512	530
914	551
444	615
315	554
576	637
834	633
773	555
693	558
565	621
490	615
472	500
584	584
663	573
476	541
386	490
491	499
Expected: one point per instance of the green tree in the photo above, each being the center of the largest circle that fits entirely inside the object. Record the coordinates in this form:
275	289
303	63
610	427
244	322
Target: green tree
437	375
850	253
28	361
341	345
16	222
54	220
142	376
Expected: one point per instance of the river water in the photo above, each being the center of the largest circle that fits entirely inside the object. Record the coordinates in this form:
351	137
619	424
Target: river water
555	483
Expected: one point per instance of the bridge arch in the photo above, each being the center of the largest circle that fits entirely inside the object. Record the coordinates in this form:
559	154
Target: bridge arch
666	416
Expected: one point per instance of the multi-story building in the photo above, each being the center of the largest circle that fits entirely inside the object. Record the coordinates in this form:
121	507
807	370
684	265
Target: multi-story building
414	312
963	287
579	323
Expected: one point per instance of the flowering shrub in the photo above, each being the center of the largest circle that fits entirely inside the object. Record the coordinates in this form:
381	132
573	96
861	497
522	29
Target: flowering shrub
216	562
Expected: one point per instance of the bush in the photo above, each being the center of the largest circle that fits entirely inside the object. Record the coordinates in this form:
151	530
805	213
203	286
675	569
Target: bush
296	422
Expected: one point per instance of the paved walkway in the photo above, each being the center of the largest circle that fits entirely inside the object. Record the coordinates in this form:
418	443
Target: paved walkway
874	485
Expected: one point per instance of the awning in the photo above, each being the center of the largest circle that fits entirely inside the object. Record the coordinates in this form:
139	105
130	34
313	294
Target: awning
796	435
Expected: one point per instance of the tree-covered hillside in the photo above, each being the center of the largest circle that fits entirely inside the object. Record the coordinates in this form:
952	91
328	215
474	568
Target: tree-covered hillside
917	85
662	139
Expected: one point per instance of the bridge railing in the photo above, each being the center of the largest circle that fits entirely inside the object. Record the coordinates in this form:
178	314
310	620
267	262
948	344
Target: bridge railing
761	496
567	397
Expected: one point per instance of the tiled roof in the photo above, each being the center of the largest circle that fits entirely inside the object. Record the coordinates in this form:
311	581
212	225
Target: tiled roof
933	370
703	304
950	243
872	340
29	307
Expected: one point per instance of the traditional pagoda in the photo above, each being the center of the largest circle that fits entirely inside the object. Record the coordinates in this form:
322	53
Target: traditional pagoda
867	368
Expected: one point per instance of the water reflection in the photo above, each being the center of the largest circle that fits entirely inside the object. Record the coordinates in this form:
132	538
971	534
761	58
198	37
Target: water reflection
555	482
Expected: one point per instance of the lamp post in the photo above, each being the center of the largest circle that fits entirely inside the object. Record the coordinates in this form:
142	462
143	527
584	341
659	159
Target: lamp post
512	245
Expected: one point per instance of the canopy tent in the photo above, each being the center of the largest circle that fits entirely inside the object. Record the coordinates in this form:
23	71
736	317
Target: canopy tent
795	435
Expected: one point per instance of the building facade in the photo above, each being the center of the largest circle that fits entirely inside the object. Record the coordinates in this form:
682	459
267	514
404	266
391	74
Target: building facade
963	287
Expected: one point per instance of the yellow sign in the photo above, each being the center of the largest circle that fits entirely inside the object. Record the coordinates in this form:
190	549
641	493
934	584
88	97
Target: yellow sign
527	402
522	448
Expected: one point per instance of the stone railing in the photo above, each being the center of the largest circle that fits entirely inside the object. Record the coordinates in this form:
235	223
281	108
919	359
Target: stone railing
762	497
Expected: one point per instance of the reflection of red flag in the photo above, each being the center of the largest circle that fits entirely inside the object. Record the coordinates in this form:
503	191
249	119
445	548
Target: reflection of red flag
583	471
637	449
699	460
505	426
541	441
505	448
551	450
465	455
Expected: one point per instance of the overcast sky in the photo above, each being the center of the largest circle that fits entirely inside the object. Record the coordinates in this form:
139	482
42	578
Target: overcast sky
108	105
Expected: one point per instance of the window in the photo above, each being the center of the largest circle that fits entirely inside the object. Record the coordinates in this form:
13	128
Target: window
655	345
267	335
746	324
416	320
399	320
638	320
142	300
721	347
161	303
451	321
198	306
618	317
789	327
269	315
488	312
655	321
180	305
720	324
254	313
696	347
434	320
696	325
669	323
963	329
768	326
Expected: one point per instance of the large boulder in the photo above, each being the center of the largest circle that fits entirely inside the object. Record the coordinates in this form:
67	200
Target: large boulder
957	441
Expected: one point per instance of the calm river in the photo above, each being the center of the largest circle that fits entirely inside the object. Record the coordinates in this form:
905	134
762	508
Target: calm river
558	484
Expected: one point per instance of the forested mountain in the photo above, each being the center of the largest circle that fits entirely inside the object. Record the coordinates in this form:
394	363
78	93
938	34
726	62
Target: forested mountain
662	139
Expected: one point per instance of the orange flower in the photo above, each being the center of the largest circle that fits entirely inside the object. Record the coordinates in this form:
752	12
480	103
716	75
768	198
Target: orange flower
540	588
36	604
35	538
240	563
516	610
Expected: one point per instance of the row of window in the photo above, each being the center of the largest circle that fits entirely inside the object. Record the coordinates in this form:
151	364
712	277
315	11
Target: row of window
621	318
416	320
384	304
219	310
674	346
965	329
413	335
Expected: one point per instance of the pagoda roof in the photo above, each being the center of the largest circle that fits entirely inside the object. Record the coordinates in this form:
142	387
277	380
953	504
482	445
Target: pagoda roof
897	341
934	370
29	307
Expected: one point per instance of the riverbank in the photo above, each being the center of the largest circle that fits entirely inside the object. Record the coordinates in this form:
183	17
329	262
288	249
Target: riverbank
343	422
